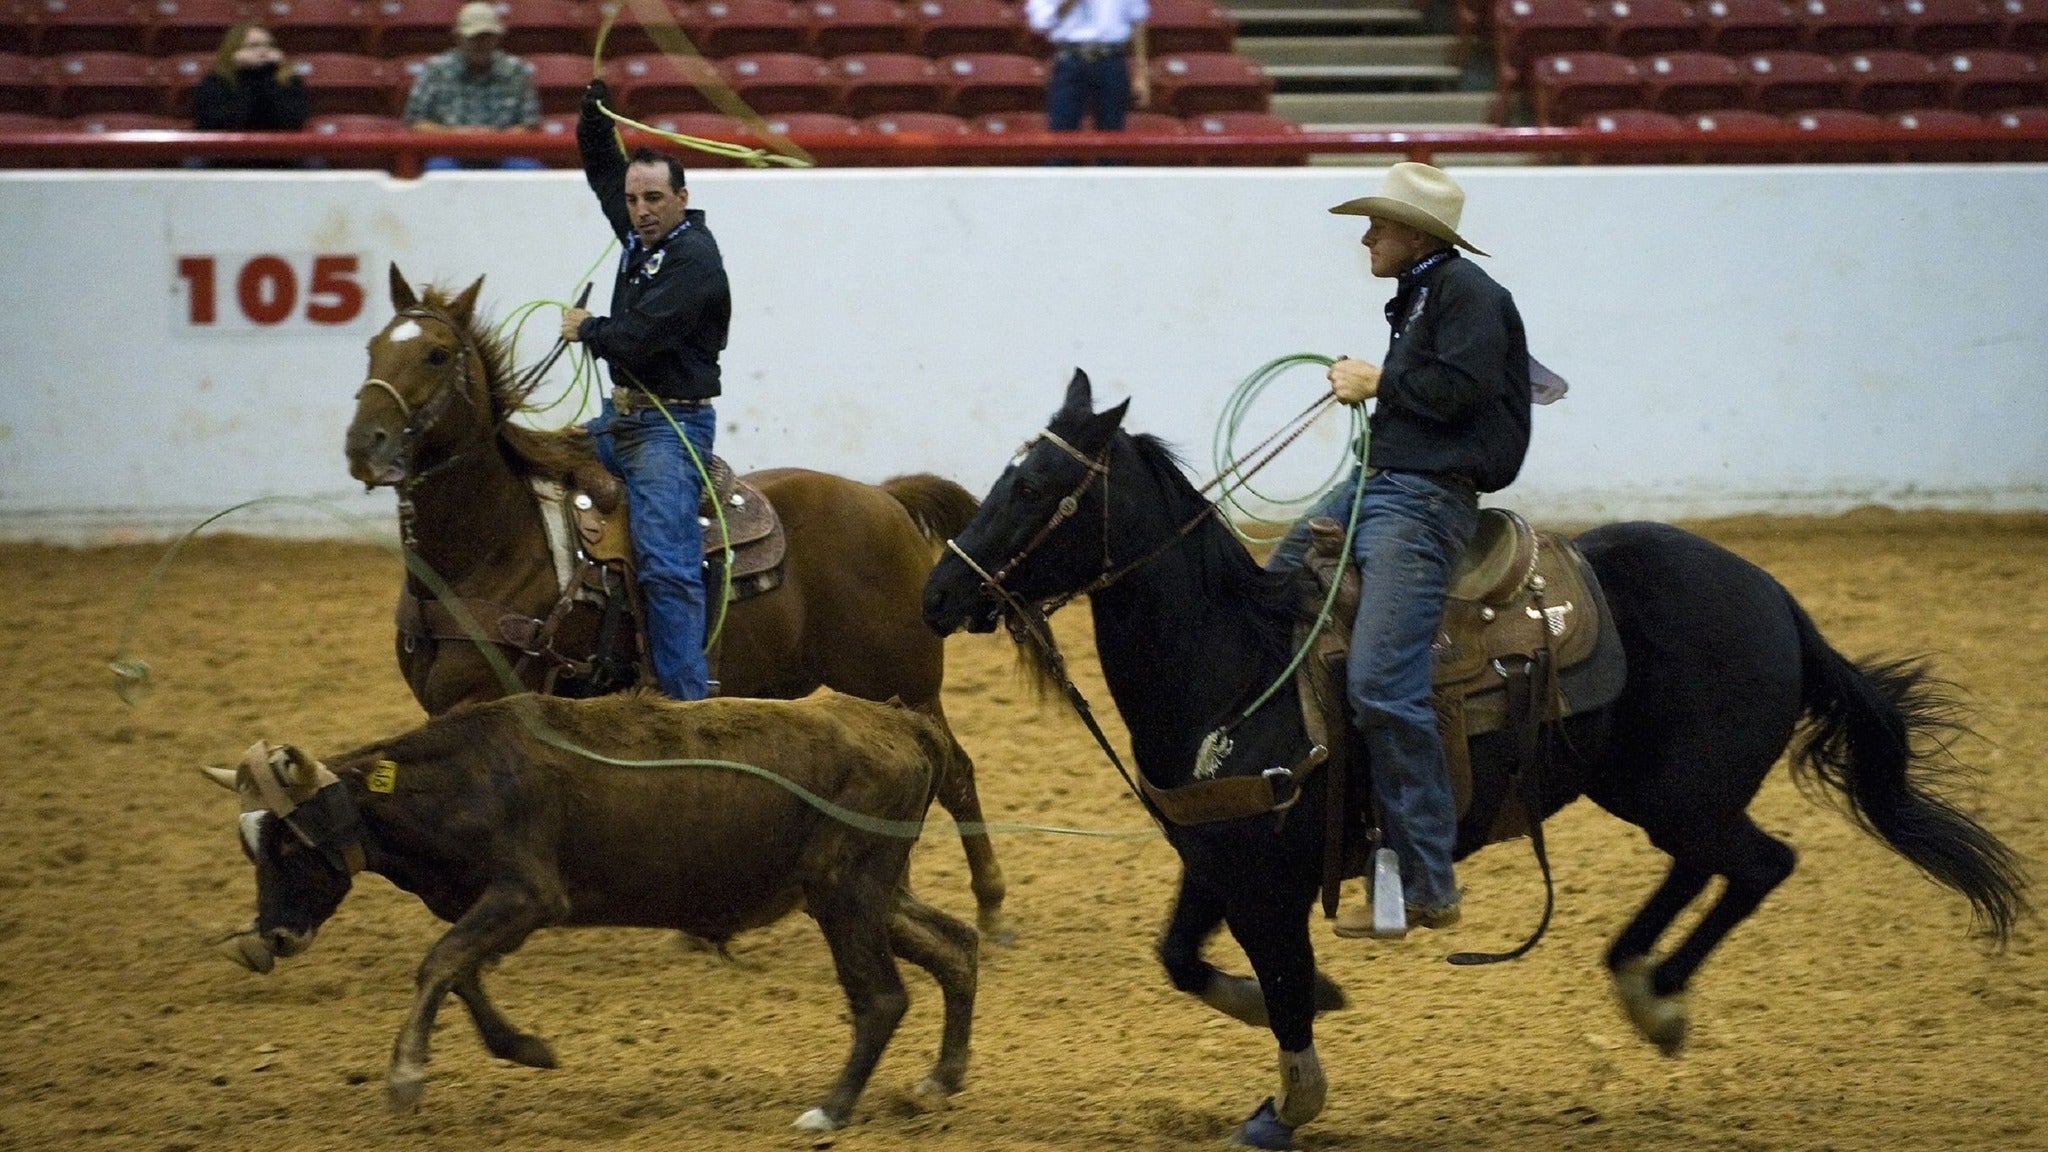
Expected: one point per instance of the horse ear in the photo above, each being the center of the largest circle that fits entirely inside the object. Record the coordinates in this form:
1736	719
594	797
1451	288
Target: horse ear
1104	425
462	306
1080	396
402	296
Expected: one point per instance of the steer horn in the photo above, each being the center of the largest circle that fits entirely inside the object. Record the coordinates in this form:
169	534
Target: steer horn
225	777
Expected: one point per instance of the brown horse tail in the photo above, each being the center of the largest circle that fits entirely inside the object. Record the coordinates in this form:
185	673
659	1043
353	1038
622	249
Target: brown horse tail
940	507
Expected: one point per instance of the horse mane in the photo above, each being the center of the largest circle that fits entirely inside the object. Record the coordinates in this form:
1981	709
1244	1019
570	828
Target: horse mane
551	453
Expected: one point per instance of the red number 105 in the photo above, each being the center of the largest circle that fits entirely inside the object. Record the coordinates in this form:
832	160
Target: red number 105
267	290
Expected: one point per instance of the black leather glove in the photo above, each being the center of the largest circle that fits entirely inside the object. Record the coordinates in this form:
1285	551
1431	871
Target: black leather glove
595	91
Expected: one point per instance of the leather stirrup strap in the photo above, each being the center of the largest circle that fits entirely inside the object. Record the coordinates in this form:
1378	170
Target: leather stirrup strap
1531	687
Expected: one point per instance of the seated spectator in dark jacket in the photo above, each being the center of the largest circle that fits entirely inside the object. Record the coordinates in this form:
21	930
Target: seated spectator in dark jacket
251	87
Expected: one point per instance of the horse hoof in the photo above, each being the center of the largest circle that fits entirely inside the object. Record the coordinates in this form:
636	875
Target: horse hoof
995	928
1659	1019
402	1091
1264	1129
817	1121
531	1051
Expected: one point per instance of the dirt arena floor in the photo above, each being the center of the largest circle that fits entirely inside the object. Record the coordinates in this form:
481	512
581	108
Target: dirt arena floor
1853	1012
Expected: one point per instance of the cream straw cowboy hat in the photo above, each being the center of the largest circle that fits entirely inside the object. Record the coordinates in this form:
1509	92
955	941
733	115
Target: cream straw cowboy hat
478	18
1419	196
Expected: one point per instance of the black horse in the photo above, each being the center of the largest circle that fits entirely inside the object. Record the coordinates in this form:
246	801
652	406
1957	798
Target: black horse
1724	668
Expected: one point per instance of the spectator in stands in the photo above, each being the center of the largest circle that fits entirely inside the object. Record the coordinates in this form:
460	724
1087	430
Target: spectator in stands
475	87
1094	72
250	87
1450	420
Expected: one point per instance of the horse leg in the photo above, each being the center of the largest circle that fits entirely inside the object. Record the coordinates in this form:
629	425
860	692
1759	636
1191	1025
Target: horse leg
1197	911
946	948
1274	936
497	923
1653	993
500	1037
854	917
957	795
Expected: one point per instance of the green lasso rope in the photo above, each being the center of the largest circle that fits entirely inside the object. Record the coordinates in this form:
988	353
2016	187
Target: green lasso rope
1223	450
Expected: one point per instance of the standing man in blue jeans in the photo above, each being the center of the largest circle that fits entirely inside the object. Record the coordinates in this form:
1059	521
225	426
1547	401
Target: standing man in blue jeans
1093	66
1450	420
671	308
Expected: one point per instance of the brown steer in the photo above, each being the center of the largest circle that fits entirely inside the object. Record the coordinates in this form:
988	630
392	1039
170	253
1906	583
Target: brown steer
496	825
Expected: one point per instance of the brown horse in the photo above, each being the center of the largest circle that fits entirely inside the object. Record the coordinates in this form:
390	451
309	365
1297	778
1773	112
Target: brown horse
435	420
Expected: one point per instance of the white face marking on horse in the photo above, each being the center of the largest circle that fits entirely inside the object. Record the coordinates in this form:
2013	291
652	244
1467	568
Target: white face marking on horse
405	330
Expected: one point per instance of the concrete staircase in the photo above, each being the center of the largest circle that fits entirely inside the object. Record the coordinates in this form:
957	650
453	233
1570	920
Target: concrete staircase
1348	65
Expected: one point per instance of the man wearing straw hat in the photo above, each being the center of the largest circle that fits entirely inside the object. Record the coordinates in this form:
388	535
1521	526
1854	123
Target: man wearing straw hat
671	307
1450	420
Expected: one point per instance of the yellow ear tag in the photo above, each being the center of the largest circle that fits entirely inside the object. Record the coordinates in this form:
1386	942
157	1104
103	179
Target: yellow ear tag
382	778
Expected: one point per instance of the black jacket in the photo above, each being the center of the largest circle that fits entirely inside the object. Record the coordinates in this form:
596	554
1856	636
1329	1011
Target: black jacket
667	326
253	101
1454	390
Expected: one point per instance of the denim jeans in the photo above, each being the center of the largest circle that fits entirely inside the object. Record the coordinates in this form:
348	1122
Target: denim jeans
456	164
662	491
1078	85
1412	528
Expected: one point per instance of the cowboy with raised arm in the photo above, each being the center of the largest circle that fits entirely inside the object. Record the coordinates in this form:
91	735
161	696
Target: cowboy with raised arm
1450	420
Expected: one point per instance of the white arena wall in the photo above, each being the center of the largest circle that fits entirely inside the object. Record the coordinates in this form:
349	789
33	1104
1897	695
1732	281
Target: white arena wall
1774	339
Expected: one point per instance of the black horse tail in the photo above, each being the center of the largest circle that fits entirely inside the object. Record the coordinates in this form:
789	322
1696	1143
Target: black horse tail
1879	736
940	507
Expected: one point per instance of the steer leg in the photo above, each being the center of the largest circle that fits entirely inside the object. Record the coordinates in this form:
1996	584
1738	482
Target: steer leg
498	922
855	919
499	1036
948	950
957	795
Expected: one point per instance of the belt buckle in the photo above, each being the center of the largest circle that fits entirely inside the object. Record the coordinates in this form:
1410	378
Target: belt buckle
622	399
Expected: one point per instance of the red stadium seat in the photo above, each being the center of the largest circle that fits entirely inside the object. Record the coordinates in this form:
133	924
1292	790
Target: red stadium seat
2019	119
1153	124
839	27
24	84
1937	122
1241	124
559	123
303	26
813	124
1634	120
1571	84
560	78
353	124
1526	30
179	74
734	27
1832	27
1947	25
537	27
191	25
951	27
1191	26
652	82
92	83
90	26
1681	82
875	82
1824	119
781	81
1190	83
347	82
1644	27
1780	82
978	83
1736	27
1987	80
19	28
15	123
126	122
935	123
1887	80
413	27
998	123
2023	25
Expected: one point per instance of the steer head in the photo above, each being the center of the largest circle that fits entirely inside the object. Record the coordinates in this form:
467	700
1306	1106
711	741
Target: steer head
300	828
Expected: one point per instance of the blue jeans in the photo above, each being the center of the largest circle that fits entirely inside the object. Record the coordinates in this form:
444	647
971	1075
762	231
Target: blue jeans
662	491
1077	85
1412	528
509	164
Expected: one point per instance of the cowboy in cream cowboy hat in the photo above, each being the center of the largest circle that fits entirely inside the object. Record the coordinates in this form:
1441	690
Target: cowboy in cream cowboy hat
1419	196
